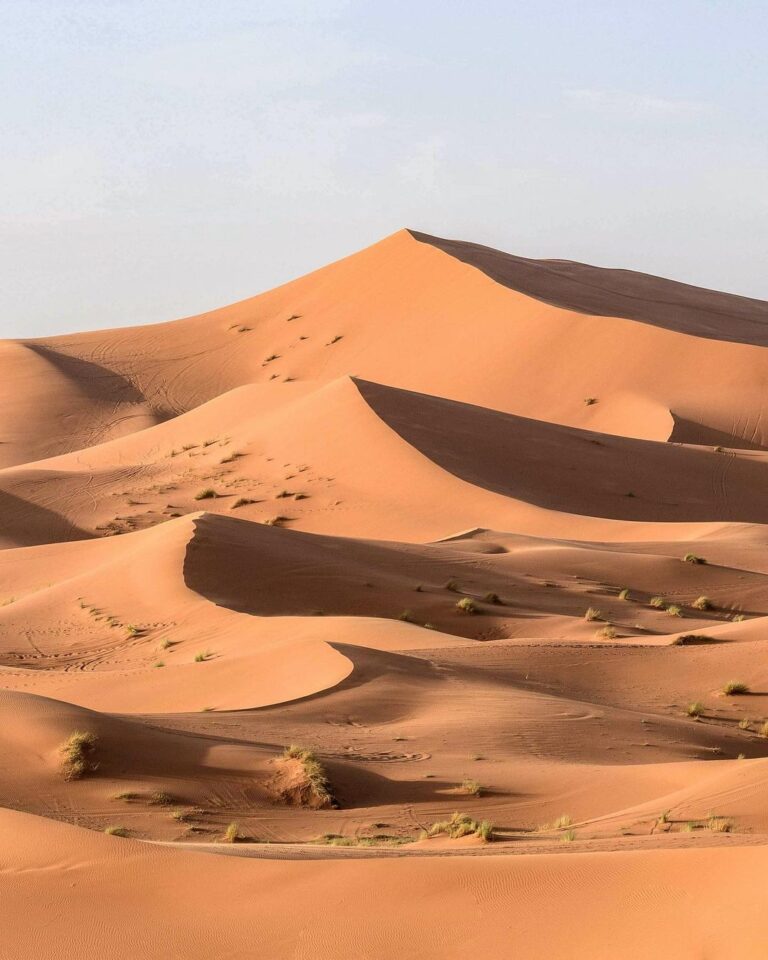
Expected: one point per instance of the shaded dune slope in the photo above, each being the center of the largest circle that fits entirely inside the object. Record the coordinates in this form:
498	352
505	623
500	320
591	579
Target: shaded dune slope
431	466
618	293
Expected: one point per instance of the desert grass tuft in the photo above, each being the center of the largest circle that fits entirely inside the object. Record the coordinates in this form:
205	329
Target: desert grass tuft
79	755
460	825
624	594
116	831
208	493
693	558
471	787
314	772
720	825
467	605
161	799
735	688
691	639
592	614
702	603
232	833
658	602
608	632
695	709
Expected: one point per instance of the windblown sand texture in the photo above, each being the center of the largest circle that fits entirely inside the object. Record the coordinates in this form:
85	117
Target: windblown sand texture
474	534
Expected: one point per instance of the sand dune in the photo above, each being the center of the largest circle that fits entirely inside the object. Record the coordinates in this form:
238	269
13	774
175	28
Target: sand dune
432	466
519	354
464	532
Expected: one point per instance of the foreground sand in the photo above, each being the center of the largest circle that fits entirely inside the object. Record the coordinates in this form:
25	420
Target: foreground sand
258	527
74	893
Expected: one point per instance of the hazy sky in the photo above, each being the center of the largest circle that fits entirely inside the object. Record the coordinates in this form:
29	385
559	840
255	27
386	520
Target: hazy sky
162	157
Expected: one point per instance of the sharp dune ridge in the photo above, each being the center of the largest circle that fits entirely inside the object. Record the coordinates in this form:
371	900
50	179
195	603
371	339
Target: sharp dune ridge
432	530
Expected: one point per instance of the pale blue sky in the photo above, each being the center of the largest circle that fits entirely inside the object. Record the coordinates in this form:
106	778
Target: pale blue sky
162	157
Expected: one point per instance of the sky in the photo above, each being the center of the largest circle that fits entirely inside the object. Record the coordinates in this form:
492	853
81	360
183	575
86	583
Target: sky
160	158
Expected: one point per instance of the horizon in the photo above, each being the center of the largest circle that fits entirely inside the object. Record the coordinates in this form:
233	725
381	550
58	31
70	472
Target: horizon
161	163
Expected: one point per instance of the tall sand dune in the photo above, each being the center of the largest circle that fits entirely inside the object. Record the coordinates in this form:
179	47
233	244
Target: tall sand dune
416	608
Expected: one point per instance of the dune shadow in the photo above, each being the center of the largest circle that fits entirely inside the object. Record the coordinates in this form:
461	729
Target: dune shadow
28	524
604	292
564	469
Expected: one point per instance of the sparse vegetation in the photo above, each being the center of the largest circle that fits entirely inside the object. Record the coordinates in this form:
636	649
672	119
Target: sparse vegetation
569	836
161	799
695	709
407	616
467	605
452	585
720	824
592	614
608	632
738	617
165	643
492	598
563	821
79	755
691	639
314	772
202	656
702	603
208	493
624	594
241	502
693	558
460	825
658	602
116	831
127	796
745	723
590	400
735	688
377	840
159	663
764	729
471	787
232	834
674	610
